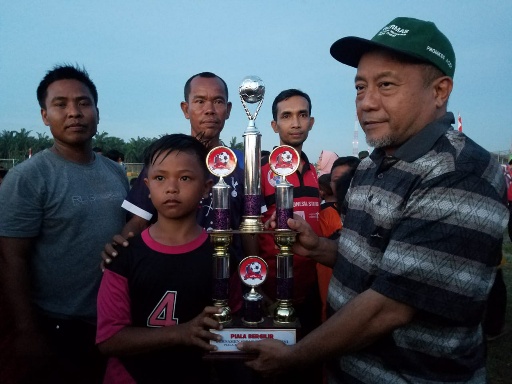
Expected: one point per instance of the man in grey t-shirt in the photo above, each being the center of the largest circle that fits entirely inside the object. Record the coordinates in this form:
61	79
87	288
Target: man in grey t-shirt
59	208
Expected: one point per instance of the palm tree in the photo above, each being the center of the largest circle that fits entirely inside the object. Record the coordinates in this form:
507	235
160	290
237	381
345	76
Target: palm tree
7	139
135	149
110	143
99	140
42	141
234	145
15	145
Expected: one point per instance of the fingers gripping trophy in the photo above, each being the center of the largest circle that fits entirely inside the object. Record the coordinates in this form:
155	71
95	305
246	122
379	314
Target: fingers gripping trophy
284	160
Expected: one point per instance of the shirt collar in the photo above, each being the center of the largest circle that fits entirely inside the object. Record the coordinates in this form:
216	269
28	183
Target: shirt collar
304	158
420	143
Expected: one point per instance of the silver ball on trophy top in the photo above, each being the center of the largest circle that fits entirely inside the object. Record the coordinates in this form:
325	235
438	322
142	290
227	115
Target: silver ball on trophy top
252	89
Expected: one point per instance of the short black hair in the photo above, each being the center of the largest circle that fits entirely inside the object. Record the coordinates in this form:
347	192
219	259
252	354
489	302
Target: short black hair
176	142
324	183
363	154
115	155
64	72
351	161
343	183
286	94
186	89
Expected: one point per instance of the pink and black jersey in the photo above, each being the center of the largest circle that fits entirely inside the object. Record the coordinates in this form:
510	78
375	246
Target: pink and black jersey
153	285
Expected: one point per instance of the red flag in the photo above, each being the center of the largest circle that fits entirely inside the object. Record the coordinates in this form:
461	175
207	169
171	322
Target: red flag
459	125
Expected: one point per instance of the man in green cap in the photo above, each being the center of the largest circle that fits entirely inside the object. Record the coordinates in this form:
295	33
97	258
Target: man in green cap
422	230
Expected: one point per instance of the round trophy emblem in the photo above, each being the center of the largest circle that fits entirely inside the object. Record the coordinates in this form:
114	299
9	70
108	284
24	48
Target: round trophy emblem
284	160
253	271
221	161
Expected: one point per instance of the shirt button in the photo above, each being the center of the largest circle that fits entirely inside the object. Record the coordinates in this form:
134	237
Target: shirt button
380	176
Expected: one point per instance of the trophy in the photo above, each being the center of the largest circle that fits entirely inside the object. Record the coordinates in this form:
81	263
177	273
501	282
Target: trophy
252	270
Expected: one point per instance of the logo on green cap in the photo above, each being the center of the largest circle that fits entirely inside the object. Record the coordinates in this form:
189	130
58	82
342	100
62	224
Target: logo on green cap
420	39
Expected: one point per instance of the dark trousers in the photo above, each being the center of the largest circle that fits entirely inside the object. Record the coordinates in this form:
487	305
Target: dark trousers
74	355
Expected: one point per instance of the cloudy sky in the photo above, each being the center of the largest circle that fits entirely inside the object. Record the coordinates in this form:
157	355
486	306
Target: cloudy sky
140	53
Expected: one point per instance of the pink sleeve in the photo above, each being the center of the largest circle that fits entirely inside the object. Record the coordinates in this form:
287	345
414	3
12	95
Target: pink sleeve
116	373
113	306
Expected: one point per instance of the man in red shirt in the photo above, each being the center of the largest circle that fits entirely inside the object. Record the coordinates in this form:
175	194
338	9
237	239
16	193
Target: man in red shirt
291	112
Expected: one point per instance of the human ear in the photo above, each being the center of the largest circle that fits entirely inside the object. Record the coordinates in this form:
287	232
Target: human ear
44	116
273	124
184	108
442	89
146	181
228	109
207	188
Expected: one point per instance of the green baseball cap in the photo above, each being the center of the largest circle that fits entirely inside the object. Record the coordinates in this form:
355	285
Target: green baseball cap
412	37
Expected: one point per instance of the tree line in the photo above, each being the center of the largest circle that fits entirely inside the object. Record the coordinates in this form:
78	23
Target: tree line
16	145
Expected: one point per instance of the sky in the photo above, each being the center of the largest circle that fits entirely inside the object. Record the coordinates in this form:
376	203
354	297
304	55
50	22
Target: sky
140	54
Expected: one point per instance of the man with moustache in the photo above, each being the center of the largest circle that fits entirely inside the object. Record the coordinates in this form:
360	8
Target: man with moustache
423	228
207	108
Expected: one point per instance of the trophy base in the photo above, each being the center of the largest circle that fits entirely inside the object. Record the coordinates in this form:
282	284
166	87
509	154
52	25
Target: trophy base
238	331
251	224
284	315
224	317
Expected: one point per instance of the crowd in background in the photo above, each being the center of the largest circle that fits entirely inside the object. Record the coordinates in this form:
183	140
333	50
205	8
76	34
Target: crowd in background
396	261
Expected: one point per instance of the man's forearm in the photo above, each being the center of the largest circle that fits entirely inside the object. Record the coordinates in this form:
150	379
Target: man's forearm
135	225
365	319
326	252
309	244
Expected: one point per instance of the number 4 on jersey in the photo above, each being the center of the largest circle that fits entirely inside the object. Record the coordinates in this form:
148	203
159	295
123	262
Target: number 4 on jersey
163	314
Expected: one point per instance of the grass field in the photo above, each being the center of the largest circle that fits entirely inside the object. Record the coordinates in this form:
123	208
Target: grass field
499	360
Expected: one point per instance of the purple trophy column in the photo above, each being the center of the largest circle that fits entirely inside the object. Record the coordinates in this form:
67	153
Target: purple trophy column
220	202
221	240
284	211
